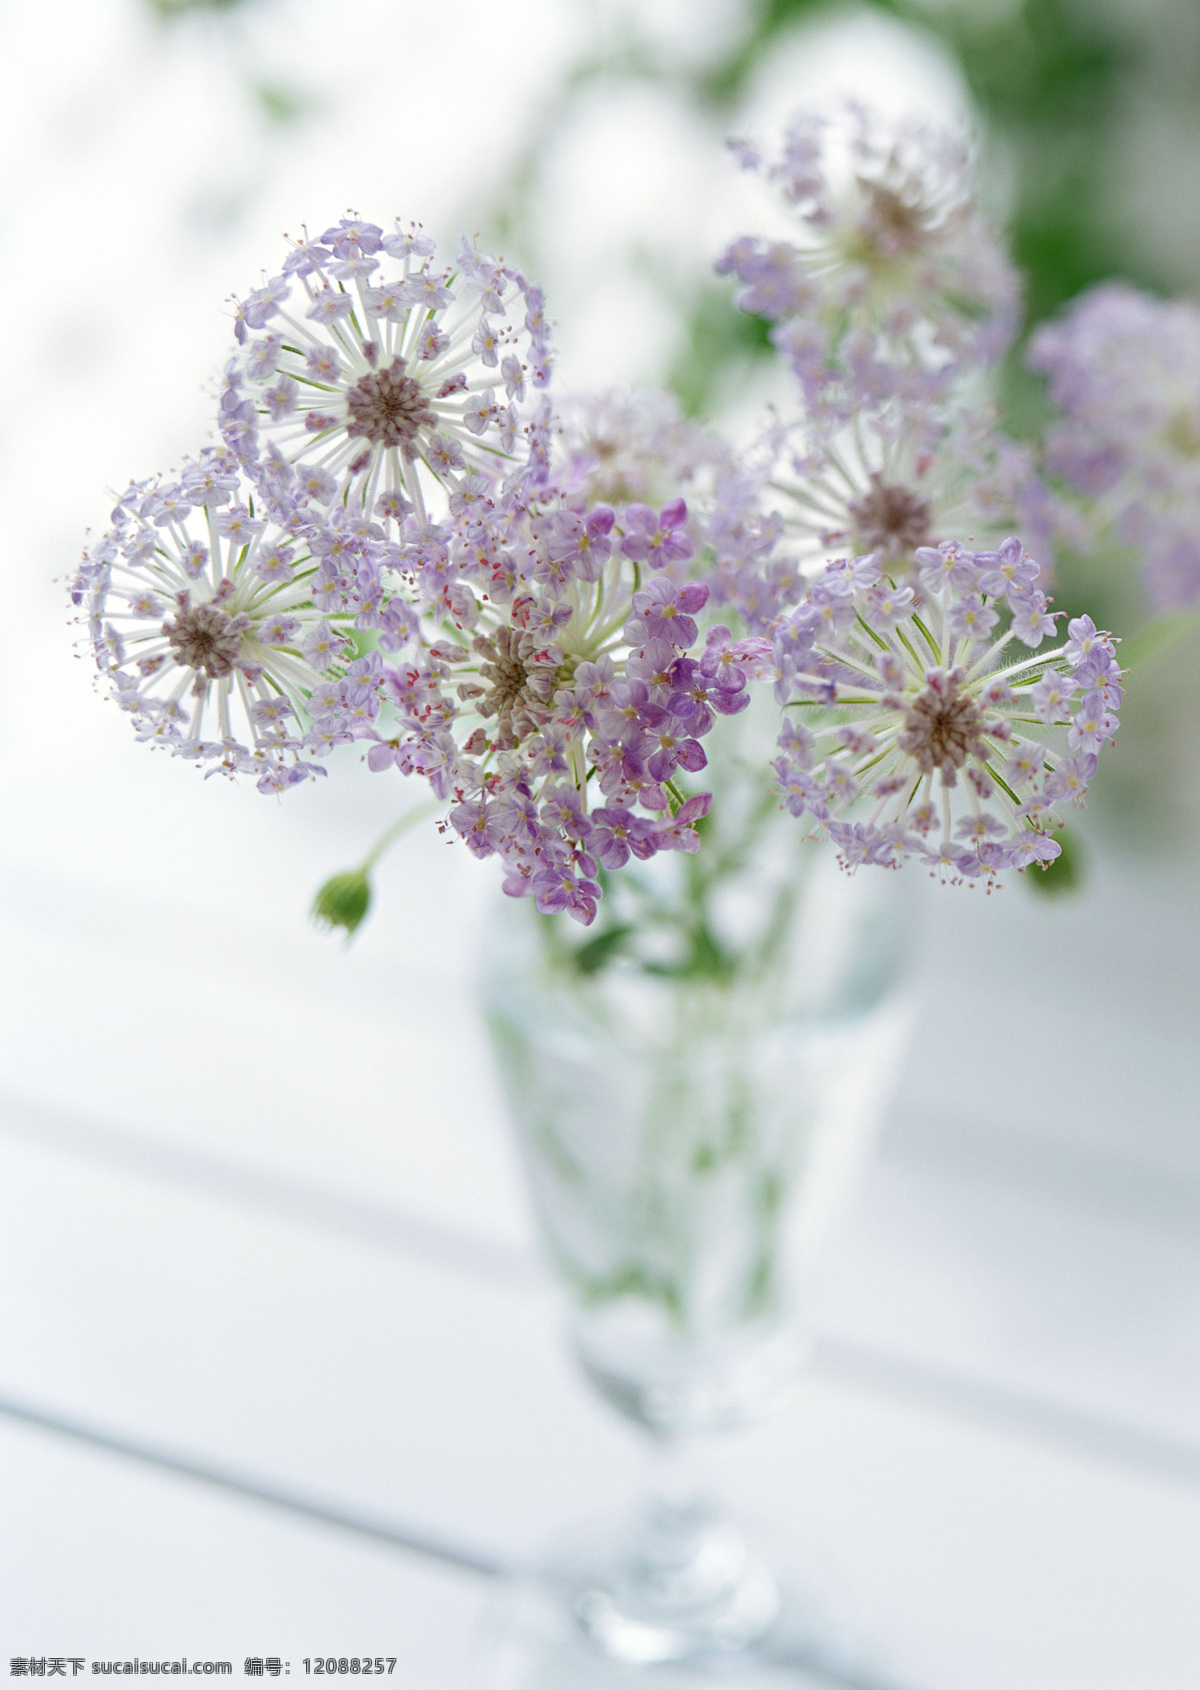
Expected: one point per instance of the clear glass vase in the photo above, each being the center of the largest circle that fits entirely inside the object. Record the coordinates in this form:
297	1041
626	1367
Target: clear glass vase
694	1083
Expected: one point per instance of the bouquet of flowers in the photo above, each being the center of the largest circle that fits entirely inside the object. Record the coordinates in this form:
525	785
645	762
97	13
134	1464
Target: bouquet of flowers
541	607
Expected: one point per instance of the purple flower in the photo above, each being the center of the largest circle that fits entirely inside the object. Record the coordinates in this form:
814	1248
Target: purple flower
388	393
774	280
1124	369
720	662
662	612
669	748
352	236
893	279
476	823
679	834
617	833
1032	622
1070	778
1010	570
205	627
1092	724
563	812
559	889
1051	697
657	540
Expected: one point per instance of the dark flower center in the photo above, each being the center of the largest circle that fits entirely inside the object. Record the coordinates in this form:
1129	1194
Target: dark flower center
388	408
520	686
942	727
892	223
205	639
890	520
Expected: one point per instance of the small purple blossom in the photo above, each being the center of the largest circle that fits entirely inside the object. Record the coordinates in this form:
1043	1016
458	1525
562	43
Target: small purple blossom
657	540
661	612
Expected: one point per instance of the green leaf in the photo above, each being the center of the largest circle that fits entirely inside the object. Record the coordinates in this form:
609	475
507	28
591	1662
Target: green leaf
590	958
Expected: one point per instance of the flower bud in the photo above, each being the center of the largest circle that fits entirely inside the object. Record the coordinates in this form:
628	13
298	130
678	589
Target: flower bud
343	901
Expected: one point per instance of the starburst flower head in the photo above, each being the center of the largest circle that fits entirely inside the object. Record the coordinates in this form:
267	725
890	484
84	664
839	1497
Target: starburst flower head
366	358
894	273
1124	368
894	479
917	726
542	667
201	617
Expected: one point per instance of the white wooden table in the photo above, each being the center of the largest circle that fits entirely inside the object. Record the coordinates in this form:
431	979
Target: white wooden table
262	1219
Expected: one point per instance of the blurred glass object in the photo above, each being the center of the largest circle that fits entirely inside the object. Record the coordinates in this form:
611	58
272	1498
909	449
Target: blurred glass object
691	1111
694	1089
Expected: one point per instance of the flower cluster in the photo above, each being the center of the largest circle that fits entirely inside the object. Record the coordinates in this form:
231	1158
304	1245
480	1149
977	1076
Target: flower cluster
895	280
551	653
204	618
914	730
402	545
894	478
370	556
1124	368
897	478
373	363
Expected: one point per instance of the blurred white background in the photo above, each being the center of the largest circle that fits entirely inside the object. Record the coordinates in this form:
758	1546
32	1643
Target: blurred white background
260	1208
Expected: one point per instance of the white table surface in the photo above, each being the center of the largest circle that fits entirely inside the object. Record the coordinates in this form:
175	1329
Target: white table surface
262	1216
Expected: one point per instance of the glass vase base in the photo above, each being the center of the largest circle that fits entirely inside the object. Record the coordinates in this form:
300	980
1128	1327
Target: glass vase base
689	1602
687	1585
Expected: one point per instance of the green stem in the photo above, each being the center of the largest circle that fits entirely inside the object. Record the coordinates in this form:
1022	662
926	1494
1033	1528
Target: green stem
397	831
1158	636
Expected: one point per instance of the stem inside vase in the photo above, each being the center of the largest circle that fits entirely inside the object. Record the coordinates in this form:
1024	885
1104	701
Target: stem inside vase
693	1088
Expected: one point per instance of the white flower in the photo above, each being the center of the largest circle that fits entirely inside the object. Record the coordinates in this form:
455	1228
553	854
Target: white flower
399	374
896	477
622	447
202	618
904	716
